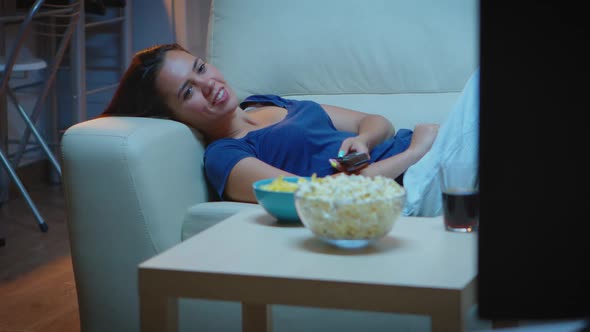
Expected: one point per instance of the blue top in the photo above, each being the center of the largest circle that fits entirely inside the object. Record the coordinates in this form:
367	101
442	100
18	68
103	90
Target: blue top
301	143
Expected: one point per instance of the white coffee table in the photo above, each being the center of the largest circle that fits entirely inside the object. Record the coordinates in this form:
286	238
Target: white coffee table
419	268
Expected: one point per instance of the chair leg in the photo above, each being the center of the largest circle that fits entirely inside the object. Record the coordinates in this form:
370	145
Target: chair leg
4	182
64	42
33	129
42	225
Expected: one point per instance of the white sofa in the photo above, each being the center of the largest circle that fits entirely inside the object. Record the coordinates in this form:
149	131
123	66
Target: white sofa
135	187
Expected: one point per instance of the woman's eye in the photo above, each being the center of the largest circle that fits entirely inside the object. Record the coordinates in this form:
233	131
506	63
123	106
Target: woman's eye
201	69
187	93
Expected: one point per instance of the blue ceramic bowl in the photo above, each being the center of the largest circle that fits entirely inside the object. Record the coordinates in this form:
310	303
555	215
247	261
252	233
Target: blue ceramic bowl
278	204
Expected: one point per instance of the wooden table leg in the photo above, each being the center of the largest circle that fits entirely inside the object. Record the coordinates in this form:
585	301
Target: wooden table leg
450	315
256	317
445	323
158	313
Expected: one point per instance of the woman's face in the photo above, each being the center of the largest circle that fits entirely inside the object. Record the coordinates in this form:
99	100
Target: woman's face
195	91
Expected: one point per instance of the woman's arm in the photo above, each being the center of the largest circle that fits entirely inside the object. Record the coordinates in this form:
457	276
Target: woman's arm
372	129
244	174
422	140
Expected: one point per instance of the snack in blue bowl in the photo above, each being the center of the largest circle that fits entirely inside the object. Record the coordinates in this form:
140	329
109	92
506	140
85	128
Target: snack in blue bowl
276	196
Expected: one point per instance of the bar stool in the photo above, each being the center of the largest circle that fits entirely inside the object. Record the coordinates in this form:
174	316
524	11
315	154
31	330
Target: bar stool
57	22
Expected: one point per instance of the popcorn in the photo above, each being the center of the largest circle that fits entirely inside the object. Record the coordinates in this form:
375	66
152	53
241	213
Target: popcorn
350	206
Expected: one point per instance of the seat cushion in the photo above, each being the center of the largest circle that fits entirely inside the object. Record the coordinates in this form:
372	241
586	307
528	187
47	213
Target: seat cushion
201	216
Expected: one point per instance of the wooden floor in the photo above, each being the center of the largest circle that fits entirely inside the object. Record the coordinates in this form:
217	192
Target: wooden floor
37	287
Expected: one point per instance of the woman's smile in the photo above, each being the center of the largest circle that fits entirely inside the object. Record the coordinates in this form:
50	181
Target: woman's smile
220	97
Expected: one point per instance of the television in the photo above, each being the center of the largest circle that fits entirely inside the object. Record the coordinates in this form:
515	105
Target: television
533	238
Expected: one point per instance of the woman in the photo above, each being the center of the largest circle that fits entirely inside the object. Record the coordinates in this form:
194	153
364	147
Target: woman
278	136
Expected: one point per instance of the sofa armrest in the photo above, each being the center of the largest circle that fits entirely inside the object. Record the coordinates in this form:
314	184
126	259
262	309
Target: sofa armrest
128	183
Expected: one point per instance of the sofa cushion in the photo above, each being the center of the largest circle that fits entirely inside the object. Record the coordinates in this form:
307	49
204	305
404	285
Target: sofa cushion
201	216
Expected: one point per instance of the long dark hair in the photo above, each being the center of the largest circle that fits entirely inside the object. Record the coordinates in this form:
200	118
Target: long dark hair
136	94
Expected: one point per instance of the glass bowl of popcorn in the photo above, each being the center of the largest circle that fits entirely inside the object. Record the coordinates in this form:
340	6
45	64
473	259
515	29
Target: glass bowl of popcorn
350	211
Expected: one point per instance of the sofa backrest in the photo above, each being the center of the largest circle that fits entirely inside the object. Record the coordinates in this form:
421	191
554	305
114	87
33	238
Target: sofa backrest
344	46
405	60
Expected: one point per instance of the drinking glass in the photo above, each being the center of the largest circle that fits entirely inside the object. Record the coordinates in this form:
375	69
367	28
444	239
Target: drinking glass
460	196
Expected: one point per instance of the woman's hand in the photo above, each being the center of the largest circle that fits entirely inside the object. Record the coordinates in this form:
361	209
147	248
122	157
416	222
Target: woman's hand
353	144
350	145
352	163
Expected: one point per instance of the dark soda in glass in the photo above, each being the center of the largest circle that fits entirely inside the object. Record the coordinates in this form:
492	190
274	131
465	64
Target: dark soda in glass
461	209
